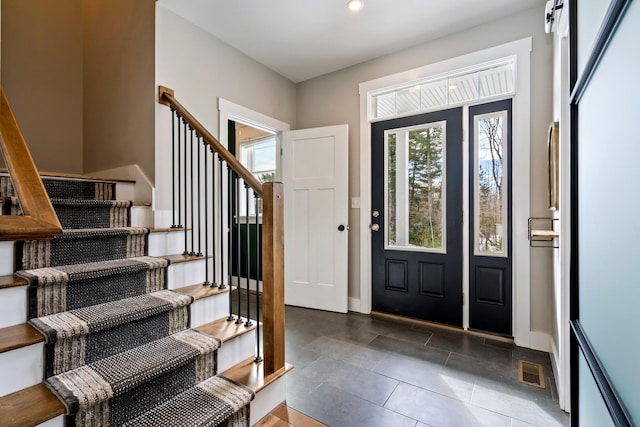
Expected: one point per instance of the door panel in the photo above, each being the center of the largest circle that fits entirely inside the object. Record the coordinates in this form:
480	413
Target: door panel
490	293
315	175
417	205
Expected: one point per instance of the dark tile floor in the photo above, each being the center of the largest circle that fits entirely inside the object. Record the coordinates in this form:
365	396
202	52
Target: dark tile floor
359	370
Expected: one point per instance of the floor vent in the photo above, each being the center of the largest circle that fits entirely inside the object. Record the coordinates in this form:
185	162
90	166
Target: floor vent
531	373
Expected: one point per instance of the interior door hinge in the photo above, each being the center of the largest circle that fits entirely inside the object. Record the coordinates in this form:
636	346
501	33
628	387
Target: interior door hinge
281	151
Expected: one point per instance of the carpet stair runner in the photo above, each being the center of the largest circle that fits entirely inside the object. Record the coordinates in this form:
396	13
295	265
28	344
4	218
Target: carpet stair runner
118	348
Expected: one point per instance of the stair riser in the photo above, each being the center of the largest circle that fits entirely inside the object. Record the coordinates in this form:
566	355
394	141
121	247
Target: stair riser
268	398
236	350
166	243
207	310
185	273
54	422
141	216
21	368
6	258
13	306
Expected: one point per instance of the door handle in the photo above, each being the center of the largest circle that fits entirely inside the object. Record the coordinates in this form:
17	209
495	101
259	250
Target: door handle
342	227
374	227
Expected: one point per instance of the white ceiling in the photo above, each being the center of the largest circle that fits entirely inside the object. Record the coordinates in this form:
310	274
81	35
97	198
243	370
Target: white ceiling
302	39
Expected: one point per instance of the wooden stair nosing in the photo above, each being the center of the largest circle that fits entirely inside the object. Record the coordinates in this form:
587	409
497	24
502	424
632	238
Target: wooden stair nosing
12	281
179	258
251	374
224	329
167	230
18	336
200	291
284	416
30	406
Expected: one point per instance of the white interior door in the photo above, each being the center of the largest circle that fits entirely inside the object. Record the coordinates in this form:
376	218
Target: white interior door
315	166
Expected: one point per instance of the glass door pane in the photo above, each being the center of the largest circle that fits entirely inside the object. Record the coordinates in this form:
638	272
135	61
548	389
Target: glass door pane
415	188
489	185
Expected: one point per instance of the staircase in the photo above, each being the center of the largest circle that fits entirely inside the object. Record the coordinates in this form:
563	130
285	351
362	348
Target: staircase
109	324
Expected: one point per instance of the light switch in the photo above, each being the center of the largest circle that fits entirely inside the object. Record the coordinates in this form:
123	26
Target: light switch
355	203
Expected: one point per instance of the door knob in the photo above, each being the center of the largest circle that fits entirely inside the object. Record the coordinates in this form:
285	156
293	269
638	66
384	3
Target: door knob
374	227
375	214
341	227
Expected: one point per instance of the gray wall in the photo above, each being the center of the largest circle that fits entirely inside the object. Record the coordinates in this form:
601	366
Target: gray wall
42	77
80	78
201	68
119	84
334	98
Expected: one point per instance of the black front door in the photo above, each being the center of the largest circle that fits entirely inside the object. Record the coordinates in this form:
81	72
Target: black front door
417	216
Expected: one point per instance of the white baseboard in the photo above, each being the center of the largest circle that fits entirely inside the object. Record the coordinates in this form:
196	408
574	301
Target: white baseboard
539	341
354	304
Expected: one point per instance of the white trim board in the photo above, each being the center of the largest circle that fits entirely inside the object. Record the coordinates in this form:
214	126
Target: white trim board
521	50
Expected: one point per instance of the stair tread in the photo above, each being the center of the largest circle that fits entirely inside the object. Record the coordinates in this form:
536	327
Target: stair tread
76	177
198	291
215	398
251	374
18	336
57	201
30	406
11	281
167	230
179	258
224	329
108	315
98	267
118	374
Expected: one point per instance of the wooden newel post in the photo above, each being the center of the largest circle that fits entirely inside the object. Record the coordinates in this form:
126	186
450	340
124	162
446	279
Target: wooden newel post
273	276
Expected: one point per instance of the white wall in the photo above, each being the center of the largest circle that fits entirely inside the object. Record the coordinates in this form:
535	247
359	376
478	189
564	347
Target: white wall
333	98
201	68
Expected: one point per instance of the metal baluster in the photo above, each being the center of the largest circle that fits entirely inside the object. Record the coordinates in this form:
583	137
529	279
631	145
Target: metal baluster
239	319
229	235
221	285
193	224
199	178
186	225
248	239
179	174
173	165
213	217
258	274
206	210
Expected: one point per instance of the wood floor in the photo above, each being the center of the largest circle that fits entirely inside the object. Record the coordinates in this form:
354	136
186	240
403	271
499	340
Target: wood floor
283	416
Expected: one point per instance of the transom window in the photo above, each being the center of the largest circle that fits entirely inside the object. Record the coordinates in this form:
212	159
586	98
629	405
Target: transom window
437	93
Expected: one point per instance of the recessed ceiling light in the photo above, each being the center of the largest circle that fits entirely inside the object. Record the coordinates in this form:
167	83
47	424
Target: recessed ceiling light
355	5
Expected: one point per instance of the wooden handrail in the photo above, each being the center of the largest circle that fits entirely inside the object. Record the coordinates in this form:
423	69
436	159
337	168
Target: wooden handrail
272	195
166	97
40	220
